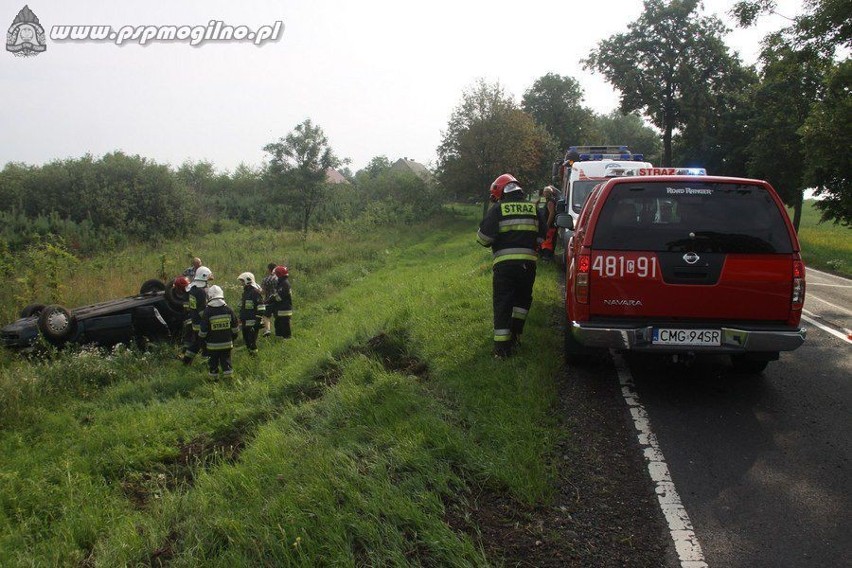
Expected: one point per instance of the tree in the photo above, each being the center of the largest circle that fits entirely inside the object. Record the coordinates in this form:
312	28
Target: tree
297	167
554	101
488	135
627	129
667	52
828	129
791	80
715	133
819	91
825	24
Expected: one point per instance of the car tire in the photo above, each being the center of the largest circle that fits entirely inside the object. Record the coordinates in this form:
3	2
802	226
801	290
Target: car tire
748	366
577	354
152	285
57	324
32	310
176	298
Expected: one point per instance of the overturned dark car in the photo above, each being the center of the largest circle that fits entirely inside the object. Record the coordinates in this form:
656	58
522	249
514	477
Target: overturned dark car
156	313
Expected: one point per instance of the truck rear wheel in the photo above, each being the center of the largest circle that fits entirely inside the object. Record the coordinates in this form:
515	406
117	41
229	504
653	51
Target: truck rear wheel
577	354
748	365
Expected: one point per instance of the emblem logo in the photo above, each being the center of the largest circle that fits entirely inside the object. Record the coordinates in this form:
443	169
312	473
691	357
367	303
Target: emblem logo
25	37
691	258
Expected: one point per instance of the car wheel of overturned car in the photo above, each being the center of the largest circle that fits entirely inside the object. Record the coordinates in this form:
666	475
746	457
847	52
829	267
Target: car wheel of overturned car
57	324
152	285
32	310
176	297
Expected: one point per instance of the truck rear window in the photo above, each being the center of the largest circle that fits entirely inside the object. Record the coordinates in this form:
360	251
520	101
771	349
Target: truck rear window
691	216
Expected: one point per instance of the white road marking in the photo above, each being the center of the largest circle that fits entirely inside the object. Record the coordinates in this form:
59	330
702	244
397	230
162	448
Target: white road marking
686	543
827	274
841	308
829	285
825	328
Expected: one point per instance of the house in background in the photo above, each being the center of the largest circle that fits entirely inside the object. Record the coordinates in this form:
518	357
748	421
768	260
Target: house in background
416	168
333	176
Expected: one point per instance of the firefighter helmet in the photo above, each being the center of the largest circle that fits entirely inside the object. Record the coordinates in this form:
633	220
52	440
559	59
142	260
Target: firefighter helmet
180	283
500	185
247	278
215	293
281	271
203	274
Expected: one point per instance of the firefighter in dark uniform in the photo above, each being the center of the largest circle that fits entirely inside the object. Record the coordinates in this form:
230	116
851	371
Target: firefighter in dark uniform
250	304
281	305
180	284
549	210
219	328
197	302
513	228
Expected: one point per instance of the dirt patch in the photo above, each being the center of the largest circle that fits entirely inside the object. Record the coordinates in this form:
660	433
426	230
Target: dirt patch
163	555
198	454
604	511
392	351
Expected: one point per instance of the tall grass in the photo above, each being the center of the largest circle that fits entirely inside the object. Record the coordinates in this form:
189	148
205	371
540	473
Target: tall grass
825	246
351	444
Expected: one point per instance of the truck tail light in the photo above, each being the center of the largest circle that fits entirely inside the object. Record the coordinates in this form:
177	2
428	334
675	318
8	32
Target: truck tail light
581	282
798	299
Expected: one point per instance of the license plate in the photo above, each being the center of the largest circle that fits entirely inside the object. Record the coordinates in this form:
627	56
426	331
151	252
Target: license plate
696	337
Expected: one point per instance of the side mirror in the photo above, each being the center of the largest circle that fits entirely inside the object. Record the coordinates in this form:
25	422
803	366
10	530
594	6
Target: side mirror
565	221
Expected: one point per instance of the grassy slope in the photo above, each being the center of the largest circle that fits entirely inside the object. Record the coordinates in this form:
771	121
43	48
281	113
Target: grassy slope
825	246
344	446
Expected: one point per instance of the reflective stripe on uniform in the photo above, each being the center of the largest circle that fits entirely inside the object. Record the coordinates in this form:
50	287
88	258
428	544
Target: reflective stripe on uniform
520	313
250	322
284	312
525	224
502	335
514	254
483	239
531	257
220	346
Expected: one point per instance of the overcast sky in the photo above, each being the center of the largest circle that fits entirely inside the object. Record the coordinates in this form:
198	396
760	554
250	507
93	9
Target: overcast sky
381	77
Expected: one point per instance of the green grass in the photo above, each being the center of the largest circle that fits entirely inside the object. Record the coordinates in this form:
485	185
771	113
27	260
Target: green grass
825	246
349	445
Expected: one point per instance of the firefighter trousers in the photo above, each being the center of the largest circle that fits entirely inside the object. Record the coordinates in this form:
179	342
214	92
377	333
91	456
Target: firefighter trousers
512	288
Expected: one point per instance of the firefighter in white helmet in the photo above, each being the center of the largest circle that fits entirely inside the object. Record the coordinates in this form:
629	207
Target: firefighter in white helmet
219	328
197	302
250	304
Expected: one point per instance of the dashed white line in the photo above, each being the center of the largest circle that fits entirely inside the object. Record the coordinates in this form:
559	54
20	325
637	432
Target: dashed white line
686	543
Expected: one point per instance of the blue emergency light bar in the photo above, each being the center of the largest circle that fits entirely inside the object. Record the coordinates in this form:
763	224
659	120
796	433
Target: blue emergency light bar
597	153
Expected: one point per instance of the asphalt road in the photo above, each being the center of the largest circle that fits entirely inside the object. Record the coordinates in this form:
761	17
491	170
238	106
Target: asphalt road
762	463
